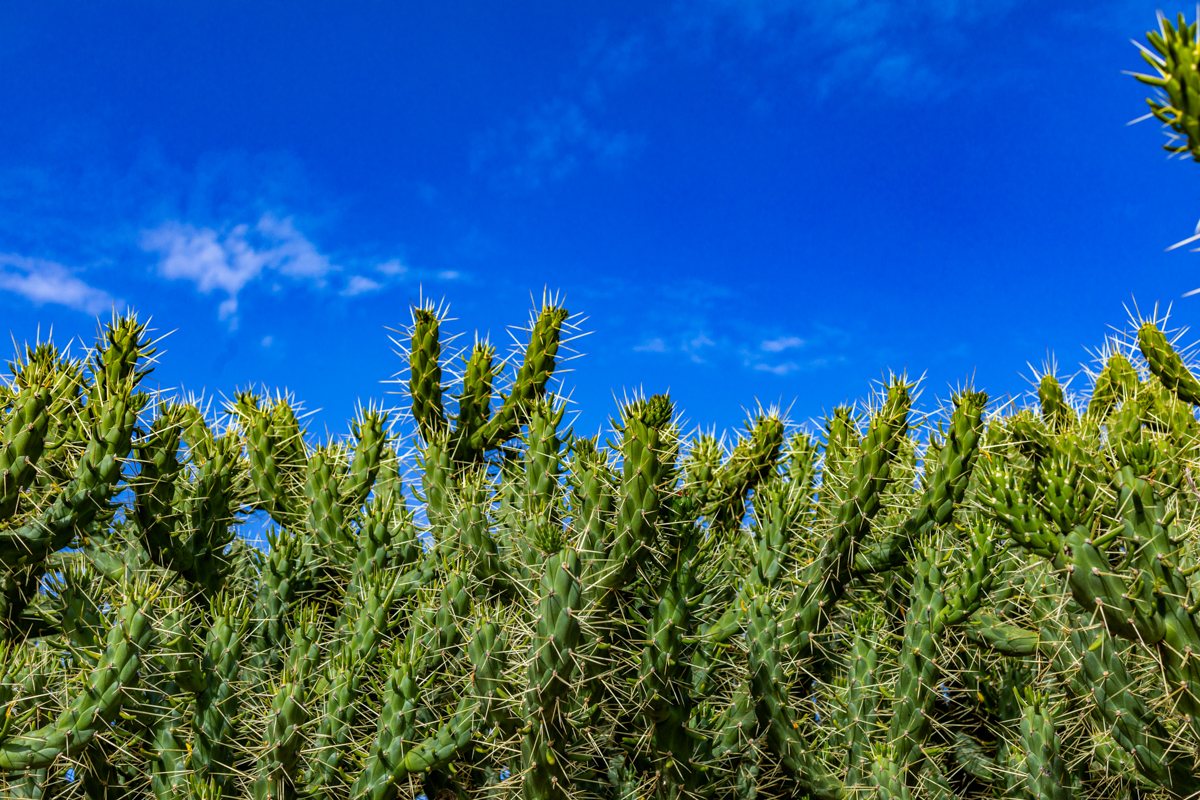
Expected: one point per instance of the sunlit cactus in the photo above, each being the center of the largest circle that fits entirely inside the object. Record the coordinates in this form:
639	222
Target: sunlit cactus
979	601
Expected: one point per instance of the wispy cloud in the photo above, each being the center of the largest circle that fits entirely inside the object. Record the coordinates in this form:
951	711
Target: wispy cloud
655	345
360	285
43	282
392	268
896	46
778	369
548	144
781	344
227	261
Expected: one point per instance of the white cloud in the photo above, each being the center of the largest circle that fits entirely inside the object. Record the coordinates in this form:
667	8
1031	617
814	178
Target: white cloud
392	268
267	341
449	275
778	369
360	285
782	343
228	261
43	282
652	346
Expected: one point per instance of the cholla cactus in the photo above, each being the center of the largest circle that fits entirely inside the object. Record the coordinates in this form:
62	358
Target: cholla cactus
989	606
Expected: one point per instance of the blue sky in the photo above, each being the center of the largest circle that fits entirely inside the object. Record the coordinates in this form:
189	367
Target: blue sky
749	200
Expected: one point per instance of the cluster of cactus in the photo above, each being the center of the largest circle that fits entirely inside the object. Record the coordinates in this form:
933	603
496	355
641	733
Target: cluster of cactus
970	603
1175	58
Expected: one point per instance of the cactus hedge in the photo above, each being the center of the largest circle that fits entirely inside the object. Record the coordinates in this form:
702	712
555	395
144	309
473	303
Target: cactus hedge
472	599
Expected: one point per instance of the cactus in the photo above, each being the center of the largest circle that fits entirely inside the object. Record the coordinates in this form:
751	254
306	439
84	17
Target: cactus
1012	614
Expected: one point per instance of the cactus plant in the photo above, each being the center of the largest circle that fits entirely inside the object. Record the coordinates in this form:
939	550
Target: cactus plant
974	606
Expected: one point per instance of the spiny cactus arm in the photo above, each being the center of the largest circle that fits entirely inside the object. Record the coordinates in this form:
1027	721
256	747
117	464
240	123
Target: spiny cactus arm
1165	363
823	581
21	444
533	376
486	651
1176	67
988	631
1056	412
154	510
210	512
281	576
700	467
932	609
644	469
425	372
438	483
751	461
394	755
1094	670
326	517
167	753
973	760
549	736
975	580
775	716
947	485
1003	493
1045	775
1117	381
370	446
592	505
89	493
665	687
475	540
863	696
216	710
396	730
345	673
474	404
276	454
274	779
101	699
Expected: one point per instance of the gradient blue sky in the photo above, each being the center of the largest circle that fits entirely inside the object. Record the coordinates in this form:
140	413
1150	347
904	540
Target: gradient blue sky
749	200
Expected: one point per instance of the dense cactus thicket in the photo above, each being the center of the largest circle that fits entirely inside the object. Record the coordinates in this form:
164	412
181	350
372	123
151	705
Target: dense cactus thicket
981	602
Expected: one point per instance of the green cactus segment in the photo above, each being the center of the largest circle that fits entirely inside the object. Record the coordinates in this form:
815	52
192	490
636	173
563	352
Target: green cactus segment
1056	412
824	580
644	470
861	716
1044	773
109	419
947	479
1177	56
345	677
276	454
370	447
770	686
218	704
751	461
467	443
932	609
545	747
396	753
1166	364
425	372
168	775
663	680
97	703
289	713
1116	382
22	443
532	378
